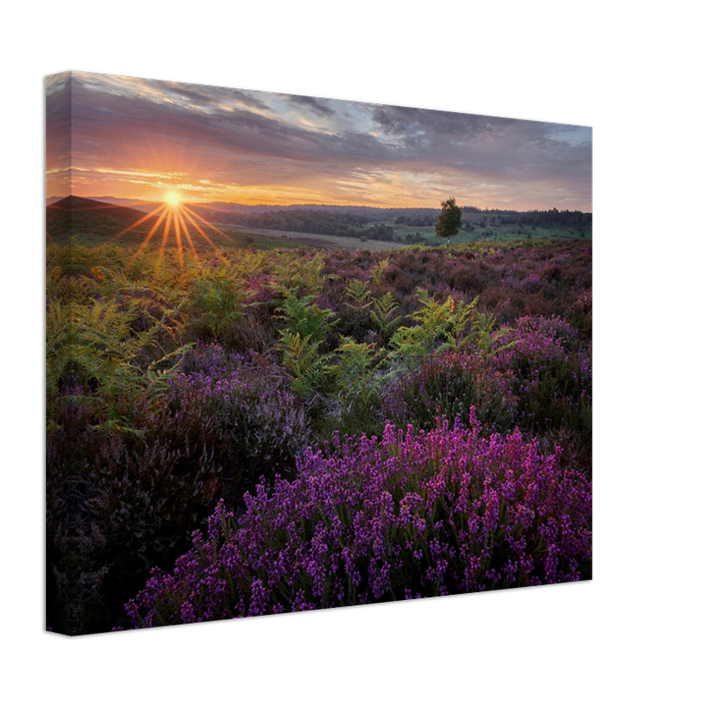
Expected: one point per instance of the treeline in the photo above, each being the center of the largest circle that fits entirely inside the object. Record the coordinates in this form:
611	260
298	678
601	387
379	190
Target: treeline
551	217
373	223
327	223
345	223
420	221
569	219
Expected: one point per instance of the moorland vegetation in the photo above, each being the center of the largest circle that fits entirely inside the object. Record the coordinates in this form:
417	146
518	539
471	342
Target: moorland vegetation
249	432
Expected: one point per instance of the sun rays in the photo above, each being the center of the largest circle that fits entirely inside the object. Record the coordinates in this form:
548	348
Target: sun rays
170	228
172	217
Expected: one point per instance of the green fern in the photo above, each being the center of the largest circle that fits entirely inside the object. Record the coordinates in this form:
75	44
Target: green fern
377	272
216	301
251	263
352	373
382	314
485	337
293	274
305	318
359	293
418	341
99	345
301	357
440	326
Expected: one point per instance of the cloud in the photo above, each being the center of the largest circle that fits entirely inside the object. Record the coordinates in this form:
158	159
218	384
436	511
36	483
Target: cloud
409	122
316	105
250	139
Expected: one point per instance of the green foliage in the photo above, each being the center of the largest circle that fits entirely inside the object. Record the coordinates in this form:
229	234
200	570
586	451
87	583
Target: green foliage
440	326
450	219
305	318
382	314
292	274
307	326
98	345
486	337
353	373
216	302
377	272
301	356
359	293
72	258
250	263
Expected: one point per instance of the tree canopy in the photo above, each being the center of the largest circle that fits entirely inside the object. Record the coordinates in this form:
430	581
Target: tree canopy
450	219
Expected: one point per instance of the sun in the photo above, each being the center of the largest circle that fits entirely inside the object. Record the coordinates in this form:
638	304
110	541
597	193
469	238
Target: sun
173	215
172	199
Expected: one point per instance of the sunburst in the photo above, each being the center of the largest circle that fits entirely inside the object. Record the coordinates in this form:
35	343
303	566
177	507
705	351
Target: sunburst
173	215
173	200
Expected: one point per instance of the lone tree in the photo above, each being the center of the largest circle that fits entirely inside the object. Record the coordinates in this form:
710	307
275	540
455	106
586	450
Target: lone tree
450	219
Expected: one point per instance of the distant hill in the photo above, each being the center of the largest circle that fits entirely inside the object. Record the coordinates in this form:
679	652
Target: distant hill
79	203
94	222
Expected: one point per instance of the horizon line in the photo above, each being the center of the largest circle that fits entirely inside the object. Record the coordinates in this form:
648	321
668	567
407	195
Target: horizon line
298	204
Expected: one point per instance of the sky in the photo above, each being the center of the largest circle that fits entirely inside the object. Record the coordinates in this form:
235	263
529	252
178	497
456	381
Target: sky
140	139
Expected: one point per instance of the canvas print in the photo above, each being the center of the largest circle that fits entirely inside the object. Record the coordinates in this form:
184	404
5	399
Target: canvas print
306	353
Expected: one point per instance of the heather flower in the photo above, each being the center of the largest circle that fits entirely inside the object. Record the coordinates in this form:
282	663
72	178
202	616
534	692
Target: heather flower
451	384
413	514
241	404
427	508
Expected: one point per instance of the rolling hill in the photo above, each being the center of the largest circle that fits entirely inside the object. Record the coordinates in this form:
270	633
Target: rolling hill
94	222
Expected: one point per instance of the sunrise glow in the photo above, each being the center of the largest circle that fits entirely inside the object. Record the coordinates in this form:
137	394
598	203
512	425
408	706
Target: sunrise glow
174	219
274	149
172	199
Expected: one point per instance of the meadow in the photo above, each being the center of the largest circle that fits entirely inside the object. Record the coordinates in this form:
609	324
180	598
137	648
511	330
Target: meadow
250	431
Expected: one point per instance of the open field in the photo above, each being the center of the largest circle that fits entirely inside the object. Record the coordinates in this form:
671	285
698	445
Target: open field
314	240
268	237
93	223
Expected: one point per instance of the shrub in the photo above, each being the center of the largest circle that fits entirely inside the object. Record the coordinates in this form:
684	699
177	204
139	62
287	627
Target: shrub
244	409
112	350
469	278
449	385
120	503
116	506
414	514
216	302
552	376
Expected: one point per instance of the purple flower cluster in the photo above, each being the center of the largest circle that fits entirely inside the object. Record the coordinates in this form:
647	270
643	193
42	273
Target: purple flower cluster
519	280
552	373
539	341
449	384
411	515
244	402
541	344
